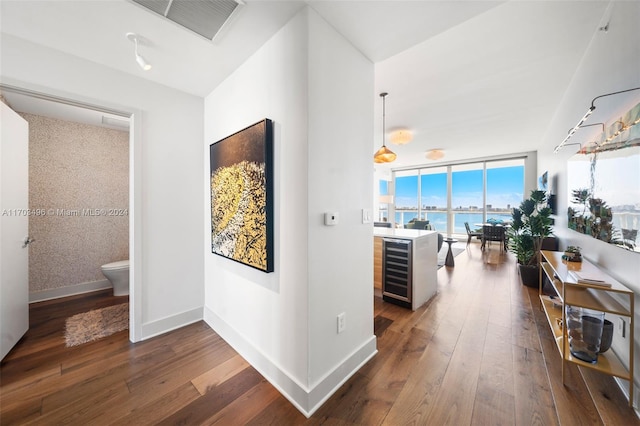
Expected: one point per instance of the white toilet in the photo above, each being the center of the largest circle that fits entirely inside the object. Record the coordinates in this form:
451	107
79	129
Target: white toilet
118	274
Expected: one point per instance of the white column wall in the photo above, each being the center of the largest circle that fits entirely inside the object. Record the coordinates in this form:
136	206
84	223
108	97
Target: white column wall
319	95
341	101
266	311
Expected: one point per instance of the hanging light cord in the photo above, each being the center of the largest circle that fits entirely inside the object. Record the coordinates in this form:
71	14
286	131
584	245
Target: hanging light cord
384	95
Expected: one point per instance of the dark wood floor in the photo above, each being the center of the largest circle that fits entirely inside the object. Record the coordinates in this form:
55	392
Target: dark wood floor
479	353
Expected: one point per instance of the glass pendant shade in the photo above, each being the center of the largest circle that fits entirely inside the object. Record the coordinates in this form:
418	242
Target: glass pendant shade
384	155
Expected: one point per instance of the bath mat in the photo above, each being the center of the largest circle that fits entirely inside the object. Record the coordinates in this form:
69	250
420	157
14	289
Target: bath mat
93	325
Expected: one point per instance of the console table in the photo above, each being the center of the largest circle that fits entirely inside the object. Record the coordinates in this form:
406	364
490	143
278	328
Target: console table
589	296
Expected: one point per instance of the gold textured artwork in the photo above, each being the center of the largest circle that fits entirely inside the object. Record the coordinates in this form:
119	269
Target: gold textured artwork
241	196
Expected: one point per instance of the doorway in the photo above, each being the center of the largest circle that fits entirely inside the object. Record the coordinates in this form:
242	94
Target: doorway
38	104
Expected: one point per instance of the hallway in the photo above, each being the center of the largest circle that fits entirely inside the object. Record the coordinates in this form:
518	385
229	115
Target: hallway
479	353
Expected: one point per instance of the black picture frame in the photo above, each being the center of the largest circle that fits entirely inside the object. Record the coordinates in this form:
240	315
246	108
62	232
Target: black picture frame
241	184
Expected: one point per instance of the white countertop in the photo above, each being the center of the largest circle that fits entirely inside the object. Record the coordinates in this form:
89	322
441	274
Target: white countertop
407	234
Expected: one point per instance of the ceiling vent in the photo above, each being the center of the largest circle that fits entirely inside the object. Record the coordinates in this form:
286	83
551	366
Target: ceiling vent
204	17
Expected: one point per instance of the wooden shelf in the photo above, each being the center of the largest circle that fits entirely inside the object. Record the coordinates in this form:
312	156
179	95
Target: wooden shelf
617	299
554	314
557	284
598	299
608	362
562	268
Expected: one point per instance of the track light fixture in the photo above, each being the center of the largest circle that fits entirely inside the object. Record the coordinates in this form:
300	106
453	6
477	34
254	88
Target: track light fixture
139	59
384	154
584	118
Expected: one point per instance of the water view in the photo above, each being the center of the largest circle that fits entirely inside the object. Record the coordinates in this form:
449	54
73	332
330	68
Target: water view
438	219
479	192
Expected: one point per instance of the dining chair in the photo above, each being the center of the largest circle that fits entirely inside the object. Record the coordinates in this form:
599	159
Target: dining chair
471	234
494	233
629	237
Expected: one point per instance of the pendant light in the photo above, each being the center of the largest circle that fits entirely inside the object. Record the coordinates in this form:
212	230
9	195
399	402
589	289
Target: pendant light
384	154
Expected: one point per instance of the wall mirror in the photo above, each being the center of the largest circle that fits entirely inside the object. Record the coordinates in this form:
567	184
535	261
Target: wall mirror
604	185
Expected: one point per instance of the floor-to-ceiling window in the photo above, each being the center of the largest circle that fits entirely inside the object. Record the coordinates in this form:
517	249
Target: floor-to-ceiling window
433	196
406	196
385	200
505	188
449	196
467	196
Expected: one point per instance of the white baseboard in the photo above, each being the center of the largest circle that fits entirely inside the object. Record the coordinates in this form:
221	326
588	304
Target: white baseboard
173	322
624	387
72	290
343	372
306	400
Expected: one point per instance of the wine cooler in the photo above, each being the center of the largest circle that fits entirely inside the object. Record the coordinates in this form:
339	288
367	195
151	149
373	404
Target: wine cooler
396	271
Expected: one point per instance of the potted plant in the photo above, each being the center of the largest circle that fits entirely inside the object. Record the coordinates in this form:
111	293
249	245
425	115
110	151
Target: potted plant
572	254
531	224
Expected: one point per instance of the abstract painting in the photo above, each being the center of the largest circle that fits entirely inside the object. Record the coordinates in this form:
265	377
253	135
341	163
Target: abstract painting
242	196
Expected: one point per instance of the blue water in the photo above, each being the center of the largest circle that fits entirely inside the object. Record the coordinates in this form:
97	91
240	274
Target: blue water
438	220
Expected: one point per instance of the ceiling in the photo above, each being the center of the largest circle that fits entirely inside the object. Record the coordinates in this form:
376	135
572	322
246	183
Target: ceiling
474	78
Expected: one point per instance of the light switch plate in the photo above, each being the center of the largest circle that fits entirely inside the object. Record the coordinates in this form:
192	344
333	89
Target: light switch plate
366	215
342	322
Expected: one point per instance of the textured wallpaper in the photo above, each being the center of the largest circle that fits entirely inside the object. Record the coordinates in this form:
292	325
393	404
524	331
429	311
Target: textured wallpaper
78	200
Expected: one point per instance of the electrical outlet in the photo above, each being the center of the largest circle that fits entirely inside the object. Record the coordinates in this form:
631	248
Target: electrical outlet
342	322
621	327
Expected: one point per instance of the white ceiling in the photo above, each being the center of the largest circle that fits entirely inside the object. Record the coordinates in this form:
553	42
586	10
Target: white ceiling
470	77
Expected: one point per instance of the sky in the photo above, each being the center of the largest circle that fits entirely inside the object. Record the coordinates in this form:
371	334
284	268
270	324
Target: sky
505	187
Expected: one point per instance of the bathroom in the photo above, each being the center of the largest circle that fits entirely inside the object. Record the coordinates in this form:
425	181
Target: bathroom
79	202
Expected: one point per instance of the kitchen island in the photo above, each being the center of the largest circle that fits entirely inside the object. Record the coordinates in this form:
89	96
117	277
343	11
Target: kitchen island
405	265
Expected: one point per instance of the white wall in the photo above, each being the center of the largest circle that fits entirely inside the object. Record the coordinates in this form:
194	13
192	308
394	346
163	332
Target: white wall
267	310
318	91
167	156
341	102
611	63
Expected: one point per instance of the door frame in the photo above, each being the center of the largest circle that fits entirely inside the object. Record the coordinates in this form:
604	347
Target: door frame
135	187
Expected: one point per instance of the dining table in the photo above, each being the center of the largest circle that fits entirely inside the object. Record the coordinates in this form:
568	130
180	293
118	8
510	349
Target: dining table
488	235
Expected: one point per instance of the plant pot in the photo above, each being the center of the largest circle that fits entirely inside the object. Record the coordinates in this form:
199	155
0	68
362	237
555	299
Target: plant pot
572	256
529	274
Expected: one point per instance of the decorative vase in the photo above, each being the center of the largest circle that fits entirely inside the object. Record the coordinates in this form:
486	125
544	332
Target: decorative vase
584	328
607	336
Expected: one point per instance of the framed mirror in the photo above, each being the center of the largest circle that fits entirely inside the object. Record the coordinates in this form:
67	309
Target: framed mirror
604	185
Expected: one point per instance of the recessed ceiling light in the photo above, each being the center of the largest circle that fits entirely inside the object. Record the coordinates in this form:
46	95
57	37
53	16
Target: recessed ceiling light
435	154
401	137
